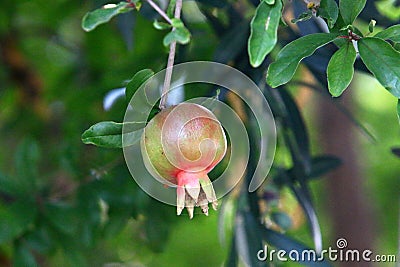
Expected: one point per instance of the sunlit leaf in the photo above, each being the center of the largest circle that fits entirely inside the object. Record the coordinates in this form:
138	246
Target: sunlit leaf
283	69
350	9
263	36
179	35
109	134
391	33
137	80
340	69
103	15
383	61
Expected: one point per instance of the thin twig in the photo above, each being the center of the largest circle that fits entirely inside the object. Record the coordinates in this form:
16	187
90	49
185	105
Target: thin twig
171	57
159	11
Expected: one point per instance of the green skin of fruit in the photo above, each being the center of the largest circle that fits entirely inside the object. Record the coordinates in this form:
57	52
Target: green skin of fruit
180	145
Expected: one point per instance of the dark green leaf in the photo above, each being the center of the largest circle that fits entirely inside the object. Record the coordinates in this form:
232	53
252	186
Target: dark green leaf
109	134
282	220
103	15
296	134
9	185
383	61
137	80
26	161
281	241
340	69
23	256
248	238
396	151
283	69
179	35
323	164
304	200
303	16
391	33
329	10
159	25
233	256
263	36
16	218
350	9
62	216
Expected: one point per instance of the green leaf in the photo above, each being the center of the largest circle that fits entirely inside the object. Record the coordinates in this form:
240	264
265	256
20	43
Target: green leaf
263	36
350	9
23	257
341	69
16	218
159	25
383	61
62	216
391	33
329	10
179	35
26	164
137	80
283	69
103	15
109	134
303	16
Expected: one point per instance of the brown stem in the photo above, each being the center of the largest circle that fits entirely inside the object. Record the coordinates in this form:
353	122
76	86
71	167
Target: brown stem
170	64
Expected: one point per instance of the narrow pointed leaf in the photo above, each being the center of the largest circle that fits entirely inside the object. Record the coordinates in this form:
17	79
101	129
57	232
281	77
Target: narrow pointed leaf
303	16
383	61
288	59
329	10
350	9
323	164
263	36
137	80
391	33
340	69
109	134
103	15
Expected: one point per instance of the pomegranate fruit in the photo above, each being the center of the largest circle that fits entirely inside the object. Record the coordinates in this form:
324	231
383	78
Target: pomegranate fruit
180	146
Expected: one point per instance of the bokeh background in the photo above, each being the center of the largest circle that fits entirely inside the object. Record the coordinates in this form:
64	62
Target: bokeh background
63	203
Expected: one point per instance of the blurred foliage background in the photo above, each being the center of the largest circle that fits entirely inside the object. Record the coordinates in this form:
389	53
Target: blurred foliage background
63	203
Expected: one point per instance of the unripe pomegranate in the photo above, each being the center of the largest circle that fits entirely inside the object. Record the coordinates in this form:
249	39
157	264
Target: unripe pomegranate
180	146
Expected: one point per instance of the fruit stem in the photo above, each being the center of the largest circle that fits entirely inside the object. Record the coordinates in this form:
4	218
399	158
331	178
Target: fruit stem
170	63
159	11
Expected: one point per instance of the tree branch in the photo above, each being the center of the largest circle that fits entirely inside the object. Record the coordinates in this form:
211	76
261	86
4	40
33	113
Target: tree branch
159	11
170	64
